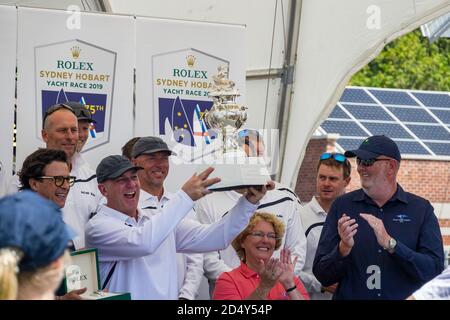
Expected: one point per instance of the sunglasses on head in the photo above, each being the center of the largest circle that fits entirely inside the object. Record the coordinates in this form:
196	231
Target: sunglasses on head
368	162
55	108
339	157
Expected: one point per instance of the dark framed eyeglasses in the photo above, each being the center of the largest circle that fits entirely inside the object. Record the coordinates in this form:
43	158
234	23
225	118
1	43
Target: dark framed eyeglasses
339	157
261	235
55	108
368	162
59	180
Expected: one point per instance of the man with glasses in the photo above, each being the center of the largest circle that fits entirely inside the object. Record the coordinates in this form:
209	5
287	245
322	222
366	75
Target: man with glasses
46	171
61	131
379	242
333	176
282	202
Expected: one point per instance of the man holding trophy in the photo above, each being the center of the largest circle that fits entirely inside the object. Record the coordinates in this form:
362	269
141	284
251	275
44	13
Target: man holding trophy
137	248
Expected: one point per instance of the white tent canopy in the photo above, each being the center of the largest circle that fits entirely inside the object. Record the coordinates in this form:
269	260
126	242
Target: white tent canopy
324	41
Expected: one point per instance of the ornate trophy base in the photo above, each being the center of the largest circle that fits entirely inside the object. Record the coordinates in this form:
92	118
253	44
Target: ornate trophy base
237	171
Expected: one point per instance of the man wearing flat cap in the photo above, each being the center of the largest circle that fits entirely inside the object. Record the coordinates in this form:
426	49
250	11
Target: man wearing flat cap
379	242
137	247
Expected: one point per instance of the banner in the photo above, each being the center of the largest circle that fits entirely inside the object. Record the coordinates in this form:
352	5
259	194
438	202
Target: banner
72	56
175	62
75	70
180	93
8	34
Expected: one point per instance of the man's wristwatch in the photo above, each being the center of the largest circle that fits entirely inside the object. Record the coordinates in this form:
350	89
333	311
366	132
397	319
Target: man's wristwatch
391	245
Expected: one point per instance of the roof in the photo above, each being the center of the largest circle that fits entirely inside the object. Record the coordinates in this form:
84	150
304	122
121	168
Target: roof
418	121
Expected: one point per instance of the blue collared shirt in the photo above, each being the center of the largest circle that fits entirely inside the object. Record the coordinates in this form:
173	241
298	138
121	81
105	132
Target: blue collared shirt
369	271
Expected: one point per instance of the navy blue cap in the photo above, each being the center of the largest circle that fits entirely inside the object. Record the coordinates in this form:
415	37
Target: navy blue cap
34	225
113	167
375	146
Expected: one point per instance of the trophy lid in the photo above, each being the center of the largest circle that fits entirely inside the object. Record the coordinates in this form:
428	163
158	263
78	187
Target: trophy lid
222	86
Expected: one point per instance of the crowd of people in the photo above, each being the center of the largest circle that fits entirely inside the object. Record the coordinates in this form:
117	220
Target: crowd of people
254	243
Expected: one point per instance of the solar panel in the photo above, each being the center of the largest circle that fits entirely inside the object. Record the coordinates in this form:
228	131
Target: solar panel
365	112
337	113
344	128
394	97
356	95
438	100
411	147
443	115
412	111
412	115
392	130
349	144
429	132
442	149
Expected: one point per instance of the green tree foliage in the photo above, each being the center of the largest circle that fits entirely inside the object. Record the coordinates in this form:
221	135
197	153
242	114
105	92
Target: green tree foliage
409	62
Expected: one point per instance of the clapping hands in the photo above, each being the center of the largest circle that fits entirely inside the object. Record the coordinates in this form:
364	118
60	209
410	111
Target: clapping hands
275	270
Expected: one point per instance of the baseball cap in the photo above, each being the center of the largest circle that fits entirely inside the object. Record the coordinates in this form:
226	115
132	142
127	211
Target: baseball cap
80	111
375	146
113	167
147	145
34	225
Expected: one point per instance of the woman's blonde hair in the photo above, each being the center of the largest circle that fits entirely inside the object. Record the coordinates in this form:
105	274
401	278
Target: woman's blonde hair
9	261
14	284
278	227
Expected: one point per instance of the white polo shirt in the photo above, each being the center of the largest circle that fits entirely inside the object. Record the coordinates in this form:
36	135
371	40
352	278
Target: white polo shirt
189	265
313	218
190	274
83	199
145	250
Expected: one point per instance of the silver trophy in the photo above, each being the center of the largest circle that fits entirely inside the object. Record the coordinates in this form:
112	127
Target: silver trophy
226	117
